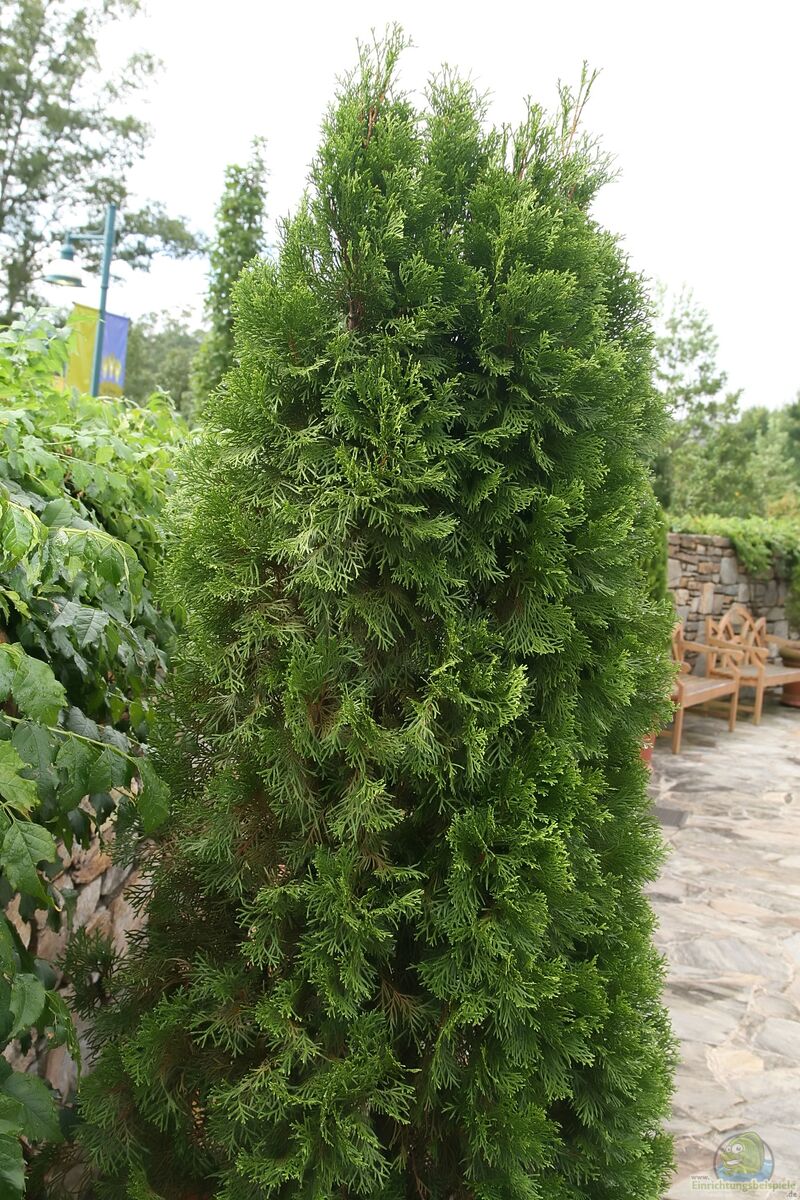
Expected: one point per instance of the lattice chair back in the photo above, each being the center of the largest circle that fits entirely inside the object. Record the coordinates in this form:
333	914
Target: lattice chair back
739	628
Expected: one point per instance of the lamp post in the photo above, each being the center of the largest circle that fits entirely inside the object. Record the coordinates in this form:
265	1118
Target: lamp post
64	273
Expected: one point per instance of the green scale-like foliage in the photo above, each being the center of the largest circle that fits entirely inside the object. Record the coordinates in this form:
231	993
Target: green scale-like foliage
398	946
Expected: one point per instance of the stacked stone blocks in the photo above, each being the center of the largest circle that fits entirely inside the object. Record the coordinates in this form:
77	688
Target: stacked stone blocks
705	578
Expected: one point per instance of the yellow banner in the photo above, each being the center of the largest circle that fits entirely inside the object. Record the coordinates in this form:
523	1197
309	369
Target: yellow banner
112	367
79	367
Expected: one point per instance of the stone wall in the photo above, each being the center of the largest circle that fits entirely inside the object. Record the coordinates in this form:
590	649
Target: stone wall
705	578
98	898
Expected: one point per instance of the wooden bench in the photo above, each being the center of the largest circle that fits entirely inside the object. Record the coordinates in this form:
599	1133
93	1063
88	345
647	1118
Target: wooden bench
739	629
720	681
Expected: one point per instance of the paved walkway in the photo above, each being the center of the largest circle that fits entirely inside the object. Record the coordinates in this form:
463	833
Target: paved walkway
728	907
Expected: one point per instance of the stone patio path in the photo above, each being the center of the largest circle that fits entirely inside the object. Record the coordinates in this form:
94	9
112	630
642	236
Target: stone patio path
728	907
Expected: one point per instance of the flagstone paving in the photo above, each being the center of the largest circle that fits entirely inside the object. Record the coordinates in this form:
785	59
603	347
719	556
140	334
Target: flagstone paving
728	909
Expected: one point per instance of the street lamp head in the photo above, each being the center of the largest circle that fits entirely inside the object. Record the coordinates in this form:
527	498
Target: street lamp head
62	270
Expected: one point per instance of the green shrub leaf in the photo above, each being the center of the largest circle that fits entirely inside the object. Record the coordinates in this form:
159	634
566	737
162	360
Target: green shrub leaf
153	800
27	1002
36	691
24	847
39	1114
19	794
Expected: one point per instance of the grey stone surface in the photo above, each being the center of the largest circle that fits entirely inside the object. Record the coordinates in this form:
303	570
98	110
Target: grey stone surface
728	910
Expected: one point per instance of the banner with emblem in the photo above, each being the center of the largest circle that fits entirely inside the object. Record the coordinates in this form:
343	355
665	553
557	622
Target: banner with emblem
115	348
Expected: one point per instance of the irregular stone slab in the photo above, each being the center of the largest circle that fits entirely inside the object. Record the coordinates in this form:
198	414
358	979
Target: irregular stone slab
728	907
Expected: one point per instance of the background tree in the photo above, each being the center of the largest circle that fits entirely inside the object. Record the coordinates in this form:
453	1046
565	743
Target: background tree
695	391
67	143
161	353
397	942
791	420
239	238
716	457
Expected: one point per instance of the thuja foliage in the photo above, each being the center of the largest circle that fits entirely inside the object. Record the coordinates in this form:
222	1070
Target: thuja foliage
397	942
81	646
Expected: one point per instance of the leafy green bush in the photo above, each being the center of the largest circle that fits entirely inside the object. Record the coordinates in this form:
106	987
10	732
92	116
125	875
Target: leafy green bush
758	541
82	646
397	945
657	554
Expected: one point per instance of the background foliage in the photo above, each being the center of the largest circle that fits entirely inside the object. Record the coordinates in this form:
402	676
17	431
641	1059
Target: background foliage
239	238
161	352
82	646
67	142
718	458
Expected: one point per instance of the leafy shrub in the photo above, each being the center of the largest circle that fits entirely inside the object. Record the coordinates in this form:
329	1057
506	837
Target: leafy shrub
758	541
82	646
657	554
397	944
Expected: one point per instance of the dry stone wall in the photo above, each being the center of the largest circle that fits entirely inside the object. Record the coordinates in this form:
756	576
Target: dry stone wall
705	578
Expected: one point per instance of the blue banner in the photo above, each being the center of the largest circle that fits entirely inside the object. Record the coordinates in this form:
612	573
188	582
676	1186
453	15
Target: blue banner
115	350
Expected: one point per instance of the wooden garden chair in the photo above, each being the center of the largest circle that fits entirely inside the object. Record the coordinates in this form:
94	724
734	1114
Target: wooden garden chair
720	681
739	629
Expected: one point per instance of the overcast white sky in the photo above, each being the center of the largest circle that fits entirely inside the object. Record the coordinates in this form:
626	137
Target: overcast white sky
697	101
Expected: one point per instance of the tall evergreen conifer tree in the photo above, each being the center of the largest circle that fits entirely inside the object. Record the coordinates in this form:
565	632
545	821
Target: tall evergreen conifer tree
240	237
397	944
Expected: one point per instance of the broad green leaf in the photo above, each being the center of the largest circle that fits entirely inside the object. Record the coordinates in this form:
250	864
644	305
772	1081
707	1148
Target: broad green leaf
11	1115
20	532
110	561
8	959
10	655
17	601
40	1116
85	624
25	845
12	1166
79	723
34	744
59	514
153	800
19	793
111	769
81	474
104	454
27	1002
36	691
75	759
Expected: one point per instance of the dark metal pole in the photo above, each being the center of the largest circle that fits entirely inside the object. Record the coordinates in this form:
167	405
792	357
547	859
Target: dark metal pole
108	250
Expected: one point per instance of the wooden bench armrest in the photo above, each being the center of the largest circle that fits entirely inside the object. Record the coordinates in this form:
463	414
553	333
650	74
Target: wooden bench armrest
784	643
697	647
758	653
726	673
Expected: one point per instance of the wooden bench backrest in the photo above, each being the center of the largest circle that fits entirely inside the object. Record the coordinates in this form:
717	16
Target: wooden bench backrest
740	628
679	644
